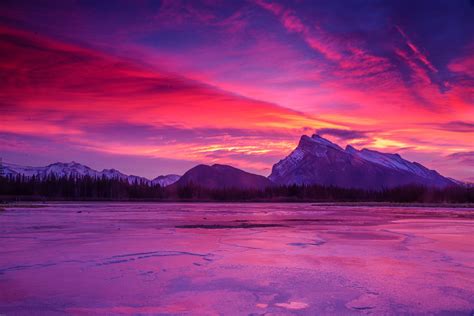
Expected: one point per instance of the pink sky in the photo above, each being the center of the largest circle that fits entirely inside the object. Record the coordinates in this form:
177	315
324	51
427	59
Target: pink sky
239	83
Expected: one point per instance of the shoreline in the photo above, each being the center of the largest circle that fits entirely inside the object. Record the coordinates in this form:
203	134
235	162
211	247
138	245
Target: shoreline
40	204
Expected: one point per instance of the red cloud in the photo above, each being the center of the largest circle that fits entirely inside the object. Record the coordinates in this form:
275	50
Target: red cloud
43	74
61	92
53	89
463	65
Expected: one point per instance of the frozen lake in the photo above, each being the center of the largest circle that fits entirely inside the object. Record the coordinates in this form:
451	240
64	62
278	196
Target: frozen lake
235	259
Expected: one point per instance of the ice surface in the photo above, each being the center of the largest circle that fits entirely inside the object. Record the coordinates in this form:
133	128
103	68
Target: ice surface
235	259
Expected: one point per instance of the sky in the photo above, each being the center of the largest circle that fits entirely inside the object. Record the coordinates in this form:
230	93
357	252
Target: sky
156	87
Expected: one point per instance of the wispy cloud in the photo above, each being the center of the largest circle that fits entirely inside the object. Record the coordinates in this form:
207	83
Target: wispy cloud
456	126
466	158
418	54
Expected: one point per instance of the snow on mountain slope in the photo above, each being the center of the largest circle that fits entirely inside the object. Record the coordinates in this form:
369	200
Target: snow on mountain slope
323	141
166	180
393	161
314	146
318	161
10	169
58	169
75	169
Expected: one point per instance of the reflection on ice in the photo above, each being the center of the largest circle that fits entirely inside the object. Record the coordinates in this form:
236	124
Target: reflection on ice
132	258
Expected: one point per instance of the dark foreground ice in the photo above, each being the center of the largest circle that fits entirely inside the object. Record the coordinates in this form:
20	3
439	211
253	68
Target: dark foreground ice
235	259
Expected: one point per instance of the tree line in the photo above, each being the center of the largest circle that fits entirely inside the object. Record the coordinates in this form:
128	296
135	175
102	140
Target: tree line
20	187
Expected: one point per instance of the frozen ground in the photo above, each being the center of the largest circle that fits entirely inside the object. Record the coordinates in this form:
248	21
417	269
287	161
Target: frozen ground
235	259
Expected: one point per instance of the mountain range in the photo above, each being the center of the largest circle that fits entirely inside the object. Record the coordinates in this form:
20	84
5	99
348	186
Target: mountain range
60	169
315	160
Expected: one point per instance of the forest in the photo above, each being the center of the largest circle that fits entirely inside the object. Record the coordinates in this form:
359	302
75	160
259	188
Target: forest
21	188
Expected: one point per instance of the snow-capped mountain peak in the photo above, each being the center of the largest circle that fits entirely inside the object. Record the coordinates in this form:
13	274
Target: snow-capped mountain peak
323	141
316	160
73	168
316	145
351	149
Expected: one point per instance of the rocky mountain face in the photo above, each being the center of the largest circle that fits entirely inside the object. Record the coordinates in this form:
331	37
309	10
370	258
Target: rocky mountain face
222	176
318	161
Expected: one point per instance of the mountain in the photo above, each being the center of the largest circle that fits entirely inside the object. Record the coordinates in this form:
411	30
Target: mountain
166	180
315	160
467	184
60	169
222	176
318	161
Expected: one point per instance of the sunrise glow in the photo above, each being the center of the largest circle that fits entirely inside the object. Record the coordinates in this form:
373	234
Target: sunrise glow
158	88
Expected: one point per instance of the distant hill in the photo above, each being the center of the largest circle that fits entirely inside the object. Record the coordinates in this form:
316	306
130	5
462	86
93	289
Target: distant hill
222	176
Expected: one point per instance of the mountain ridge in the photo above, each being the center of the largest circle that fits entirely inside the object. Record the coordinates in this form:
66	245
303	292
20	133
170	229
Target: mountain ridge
61	169
316	160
